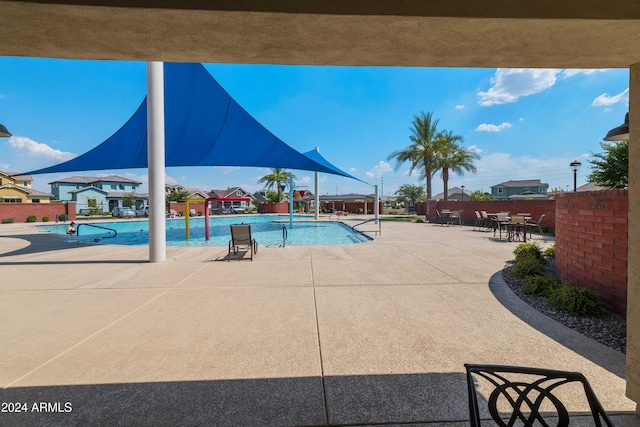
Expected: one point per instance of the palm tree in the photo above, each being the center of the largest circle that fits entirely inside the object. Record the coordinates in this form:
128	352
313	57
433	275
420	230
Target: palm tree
451	156
275	178
422	149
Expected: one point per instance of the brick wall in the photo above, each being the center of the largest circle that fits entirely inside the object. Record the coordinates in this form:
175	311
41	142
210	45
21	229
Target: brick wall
592	242
534	207
20	211
351	207
278	208
180	207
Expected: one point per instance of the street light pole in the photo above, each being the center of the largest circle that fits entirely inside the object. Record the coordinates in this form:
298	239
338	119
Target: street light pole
462	186
575	165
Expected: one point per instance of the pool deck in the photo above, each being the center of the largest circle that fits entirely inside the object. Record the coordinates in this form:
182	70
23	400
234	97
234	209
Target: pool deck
367	334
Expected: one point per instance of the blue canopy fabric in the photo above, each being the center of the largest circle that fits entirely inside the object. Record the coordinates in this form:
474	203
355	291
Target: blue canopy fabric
204	126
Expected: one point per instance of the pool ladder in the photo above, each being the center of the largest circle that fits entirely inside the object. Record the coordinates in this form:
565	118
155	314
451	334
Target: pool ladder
78	240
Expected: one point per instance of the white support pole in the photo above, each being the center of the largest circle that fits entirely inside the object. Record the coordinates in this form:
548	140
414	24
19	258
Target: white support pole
291	192
156	163
316	206
376	203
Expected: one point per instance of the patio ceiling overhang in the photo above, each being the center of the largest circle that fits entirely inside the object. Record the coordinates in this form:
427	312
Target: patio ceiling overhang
204	126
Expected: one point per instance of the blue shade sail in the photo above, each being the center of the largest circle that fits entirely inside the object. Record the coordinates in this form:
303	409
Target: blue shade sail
204	126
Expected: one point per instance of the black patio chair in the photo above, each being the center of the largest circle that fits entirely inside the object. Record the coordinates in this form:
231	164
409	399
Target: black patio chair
537	224
241	239
525	396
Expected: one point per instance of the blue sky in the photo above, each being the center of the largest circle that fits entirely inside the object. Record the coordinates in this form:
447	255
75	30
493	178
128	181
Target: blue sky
523	123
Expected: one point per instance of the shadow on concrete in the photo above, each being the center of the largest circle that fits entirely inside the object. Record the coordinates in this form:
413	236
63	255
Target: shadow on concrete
607	358
40	243
302	401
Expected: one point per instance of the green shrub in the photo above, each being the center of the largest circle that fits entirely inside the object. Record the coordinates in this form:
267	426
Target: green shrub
62	217
528	265
550	252
31	218
527	249
45	219
575	300
7	220
540	285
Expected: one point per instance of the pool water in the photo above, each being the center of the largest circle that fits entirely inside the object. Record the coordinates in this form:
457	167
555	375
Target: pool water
263	229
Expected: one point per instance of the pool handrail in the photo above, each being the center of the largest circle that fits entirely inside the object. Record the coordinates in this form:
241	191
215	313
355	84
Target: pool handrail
115	233
378	232
285	235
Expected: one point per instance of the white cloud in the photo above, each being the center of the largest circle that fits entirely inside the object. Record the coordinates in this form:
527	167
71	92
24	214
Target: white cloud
605	99
509	84
352	170
568	73
475	149
459	107
305	180
29	147
486	127
379	169
226	169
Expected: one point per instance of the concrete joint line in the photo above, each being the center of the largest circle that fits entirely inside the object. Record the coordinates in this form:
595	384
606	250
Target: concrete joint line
100	330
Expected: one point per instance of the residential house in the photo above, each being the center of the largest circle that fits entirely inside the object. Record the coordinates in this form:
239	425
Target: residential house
15	188
232	197
454	193
101	194
520	190
192	193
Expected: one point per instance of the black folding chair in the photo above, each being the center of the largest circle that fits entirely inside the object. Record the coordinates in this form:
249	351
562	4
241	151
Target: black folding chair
525	396
241	239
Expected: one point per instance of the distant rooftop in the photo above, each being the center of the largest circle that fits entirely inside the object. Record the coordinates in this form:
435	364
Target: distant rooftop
93	179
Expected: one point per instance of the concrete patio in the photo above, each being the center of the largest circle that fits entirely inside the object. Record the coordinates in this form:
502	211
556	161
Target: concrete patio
367	334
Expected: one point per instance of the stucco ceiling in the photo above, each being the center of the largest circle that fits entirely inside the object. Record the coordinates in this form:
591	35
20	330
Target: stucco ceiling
452	33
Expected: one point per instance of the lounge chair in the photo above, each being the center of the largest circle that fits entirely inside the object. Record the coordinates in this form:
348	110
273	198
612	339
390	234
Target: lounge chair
241	239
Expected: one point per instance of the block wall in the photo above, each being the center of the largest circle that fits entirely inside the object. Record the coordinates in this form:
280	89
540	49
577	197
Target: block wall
20	211
592	242
534	207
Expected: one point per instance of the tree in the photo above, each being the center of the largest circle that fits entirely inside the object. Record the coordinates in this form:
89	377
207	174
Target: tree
275	179
478	195
128	200
421	151
610	168
410	193
451	156
177	196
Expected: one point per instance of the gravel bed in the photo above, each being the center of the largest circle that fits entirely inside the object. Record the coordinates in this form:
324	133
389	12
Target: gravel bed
610	329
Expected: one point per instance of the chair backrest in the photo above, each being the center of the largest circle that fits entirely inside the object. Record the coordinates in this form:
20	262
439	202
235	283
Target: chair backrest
540	220
502	216
241	234
478	216
484	214
518	395
517	219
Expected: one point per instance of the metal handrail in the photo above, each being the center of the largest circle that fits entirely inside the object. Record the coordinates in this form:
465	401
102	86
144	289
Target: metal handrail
285	234
115	233
378	232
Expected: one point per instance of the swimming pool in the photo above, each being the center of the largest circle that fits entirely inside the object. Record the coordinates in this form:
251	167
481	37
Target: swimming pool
263	229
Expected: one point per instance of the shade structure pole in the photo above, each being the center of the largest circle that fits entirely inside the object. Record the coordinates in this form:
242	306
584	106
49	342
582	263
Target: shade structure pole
156	162
291	190
376	205
316	204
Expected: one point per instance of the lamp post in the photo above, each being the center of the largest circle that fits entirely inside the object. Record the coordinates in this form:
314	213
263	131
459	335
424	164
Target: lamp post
462	186
4	133
575	165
